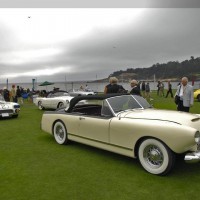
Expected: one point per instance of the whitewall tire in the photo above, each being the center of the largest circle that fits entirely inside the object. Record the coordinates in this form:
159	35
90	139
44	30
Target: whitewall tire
60	133
40	105
60	105
155	157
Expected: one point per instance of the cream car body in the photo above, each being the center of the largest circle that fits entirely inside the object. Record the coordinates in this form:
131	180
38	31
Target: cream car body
132	129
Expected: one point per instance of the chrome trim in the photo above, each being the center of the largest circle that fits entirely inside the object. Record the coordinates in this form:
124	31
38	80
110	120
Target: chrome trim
197	137
192	157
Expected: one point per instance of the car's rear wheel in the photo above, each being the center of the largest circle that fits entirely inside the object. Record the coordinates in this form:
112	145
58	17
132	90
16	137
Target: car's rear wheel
60	133
40	105
155	157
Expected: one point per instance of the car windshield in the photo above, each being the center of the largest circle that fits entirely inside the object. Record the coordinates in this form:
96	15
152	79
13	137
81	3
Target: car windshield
126	102
57	94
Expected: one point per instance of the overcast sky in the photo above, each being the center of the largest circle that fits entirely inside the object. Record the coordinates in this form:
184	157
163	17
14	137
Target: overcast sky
85	44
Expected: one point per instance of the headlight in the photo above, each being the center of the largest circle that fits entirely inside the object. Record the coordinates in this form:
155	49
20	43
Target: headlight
197	137
17	106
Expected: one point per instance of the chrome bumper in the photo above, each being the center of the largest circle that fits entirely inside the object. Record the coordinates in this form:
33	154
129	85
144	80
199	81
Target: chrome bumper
193	157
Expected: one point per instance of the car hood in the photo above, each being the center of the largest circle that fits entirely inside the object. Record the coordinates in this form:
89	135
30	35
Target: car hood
9	104
162	115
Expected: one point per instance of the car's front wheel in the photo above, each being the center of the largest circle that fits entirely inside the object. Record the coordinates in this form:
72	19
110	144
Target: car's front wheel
155	157
60	105
40	105
60	133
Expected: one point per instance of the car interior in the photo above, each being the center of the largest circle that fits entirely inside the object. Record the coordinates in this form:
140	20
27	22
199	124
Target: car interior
92	110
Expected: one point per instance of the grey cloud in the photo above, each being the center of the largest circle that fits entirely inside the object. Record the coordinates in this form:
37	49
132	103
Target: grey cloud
160	35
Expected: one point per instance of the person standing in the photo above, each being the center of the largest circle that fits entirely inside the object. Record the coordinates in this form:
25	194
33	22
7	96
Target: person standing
147	90
6	94
158	86
19	95
143	85
135	89
161	89
113	86
169	90
186	94
13	94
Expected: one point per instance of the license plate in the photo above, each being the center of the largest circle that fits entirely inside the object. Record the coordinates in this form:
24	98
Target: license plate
5	115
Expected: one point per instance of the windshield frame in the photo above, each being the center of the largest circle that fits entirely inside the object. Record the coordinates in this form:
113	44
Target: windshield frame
125	103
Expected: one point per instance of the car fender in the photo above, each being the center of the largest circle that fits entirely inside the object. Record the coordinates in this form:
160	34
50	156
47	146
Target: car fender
165	131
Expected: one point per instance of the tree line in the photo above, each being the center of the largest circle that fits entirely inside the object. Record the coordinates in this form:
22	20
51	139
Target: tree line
173	70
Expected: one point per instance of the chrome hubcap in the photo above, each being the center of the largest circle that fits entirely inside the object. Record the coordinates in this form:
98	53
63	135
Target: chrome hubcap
59	132
61	105
153	156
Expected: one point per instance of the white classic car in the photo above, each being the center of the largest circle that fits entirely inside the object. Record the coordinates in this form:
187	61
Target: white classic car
76	92
54	100
128	125
8	109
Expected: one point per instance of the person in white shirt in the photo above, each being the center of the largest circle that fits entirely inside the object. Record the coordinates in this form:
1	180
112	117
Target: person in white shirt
186	94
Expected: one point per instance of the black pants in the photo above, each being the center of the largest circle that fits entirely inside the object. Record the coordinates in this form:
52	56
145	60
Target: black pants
169	91
180	107
15	99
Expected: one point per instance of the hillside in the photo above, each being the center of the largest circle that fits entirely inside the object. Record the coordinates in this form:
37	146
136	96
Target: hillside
173	70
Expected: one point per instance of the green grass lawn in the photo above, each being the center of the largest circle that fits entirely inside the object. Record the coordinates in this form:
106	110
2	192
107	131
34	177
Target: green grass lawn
168	103
34	166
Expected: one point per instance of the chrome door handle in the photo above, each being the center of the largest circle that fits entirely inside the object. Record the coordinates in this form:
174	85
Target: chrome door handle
81	118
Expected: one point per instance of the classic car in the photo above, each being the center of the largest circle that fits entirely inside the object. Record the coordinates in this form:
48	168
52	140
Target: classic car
197	94
53	100
8	109
128	125
77	92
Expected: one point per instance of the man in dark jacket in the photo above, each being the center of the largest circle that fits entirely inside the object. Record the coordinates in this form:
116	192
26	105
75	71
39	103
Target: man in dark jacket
135	89
6	94
113	87
169	91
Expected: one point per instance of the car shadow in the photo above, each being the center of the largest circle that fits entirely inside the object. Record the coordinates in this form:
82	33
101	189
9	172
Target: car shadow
180	170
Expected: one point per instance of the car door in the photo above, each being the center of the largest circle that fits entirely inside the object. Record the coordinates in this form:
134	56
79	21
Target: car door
94	128
54	102
46	102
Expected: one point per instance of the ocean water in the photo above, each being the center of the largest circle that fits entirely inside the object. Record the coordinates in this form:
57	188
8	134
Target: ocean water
95	86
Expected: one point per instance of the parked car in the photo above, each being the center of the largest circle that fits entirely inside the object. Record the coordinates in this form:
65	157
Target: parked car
128	125
197	94
53	100
76	92
8	109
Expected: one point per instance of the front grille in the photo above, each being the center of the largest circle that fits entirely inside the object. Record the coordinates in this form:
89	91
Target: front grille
6	111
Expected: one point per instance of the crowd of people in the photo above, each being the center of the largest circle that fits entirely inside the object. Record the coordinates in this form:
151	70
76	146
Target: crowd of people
16	94
137	88
184	91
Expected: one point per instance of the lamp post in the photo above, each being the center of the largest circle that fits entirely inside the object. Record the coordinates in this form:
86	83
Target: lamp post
33	82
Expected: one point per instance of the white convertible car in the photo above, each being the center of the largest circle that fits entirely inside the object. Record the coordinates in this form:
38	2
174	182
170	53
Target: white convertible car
54	100
128	125
76	92
8	109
